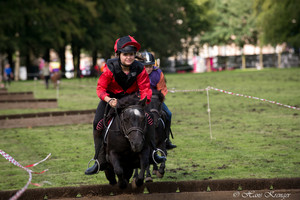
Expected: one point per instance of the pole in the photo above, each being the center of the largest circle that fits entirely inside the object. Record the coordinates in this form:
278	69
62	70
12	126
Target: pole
208	111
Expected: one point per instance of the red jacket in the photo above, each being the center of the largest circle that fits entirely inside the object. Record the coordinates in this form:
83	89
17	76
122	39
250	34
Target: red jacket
113	81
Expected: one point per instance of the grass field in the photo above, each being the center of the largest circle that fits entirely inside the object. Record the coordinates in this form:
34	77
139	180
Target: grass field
251	138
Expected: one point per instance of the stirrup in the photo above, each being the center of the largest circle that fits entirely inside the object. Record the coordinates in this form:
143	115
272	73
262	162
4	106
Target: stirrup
154	151
97	163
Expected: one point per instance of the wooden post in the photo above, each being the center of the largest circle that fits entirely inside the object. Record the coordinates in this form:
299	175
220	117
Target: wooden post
261	62
17	66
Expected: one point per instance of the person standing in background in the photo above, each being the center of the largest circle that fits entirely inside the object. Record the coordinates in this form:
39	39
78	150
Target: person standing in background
8	74
46	74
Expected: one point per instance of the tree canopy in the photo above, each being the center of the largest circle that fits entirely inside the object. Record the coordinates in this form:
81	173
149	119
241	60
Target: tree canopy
35	26
278	21
233	23
166	27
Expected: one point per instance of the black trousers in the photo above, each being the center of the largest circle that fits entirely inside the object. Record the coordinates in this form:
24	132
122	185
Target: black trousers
100	113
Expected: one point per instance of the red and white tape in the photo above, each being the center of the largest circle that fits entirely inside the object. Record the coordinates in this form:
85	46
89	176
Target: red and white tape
195	90
236	94
251	97
13	161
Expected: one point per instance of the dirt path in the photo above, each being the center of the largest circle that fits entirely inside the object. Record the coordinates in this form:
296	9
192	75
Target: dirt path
217	195
283	188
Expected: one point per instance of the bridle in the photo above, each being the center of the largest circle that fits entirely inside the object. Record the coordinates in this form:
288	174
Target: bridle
123	129
156	111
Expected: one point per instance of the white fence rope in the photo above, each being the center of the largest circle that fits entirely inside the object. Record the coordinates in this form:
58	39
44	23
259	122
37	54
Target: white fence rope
251	97
13	161
231	93
236	94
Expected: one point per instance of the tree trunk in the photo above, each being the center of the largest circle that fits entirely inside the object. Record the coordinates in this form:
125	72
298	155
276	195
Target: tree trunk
27	61
10	58
17	66
47	55
207	61
279	60
261	61
76	60
186	55
62	57
95	53
78	63
243	59
1	68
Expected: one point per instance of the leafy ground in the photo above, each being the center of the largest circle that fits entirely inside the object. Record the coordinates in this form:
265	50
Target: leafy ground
251	138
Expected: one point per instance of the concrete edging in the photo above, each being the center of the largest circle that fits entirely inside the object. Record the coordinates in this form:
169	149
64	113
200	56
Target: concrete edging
47	119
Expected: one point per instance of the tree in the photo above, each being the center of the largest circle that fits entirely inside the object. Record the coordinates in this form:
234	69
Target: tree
113	21
35	26
234	23
161	26
196	20
156	26
278	21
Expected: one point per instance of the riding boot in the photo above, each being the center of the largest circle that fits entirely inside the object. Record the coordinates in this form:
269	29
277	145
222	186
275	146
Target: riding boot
102	158
157	158
99	154
169	144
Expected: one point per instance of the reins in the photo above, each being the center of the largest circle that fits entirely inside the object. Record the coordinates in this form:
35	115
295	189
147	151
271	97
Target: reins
127	132
105	115
155	110
122	129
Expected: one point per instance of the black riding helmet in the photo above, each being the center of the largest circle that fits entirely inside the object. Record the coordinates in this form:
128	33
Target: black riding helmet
148	58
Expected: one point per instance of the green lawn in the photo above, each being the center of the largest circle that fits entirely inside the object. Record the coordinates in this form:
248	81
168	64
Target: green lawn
251	138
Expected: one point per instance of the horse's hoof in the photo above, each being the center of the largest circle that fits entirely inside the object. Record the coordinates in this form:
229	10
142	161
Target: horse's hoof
148	180
159	175
123	185
113	182
133	184
139	182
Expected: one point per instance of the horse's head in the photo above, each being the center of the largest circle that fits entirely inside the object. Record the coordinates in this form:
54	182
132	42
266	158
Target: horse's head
155	106
133	124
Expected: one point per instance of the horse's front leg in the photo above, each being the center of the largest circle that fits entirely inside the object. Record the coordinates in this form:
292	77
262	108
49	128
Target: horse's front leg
148	175
144	164
161	171
155	169
114	160
111	176
136	173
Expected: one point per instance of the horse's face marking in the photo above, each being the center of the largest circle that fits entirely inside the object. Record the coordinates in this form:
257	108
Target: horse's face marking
134	121
136	112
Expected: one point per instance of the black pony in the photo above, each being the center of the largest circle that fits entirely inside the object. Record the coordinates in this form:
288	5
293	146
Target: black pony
127	143
155	108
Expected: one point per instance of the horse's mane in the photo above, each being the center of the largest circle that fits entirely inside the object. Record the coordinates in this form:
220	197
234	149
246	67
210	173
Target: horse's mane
160	95
132	99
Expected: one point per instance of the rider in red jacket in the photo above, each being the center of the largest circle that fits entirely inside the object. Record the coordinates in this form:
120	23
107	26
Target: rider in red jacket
121	76
113	86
